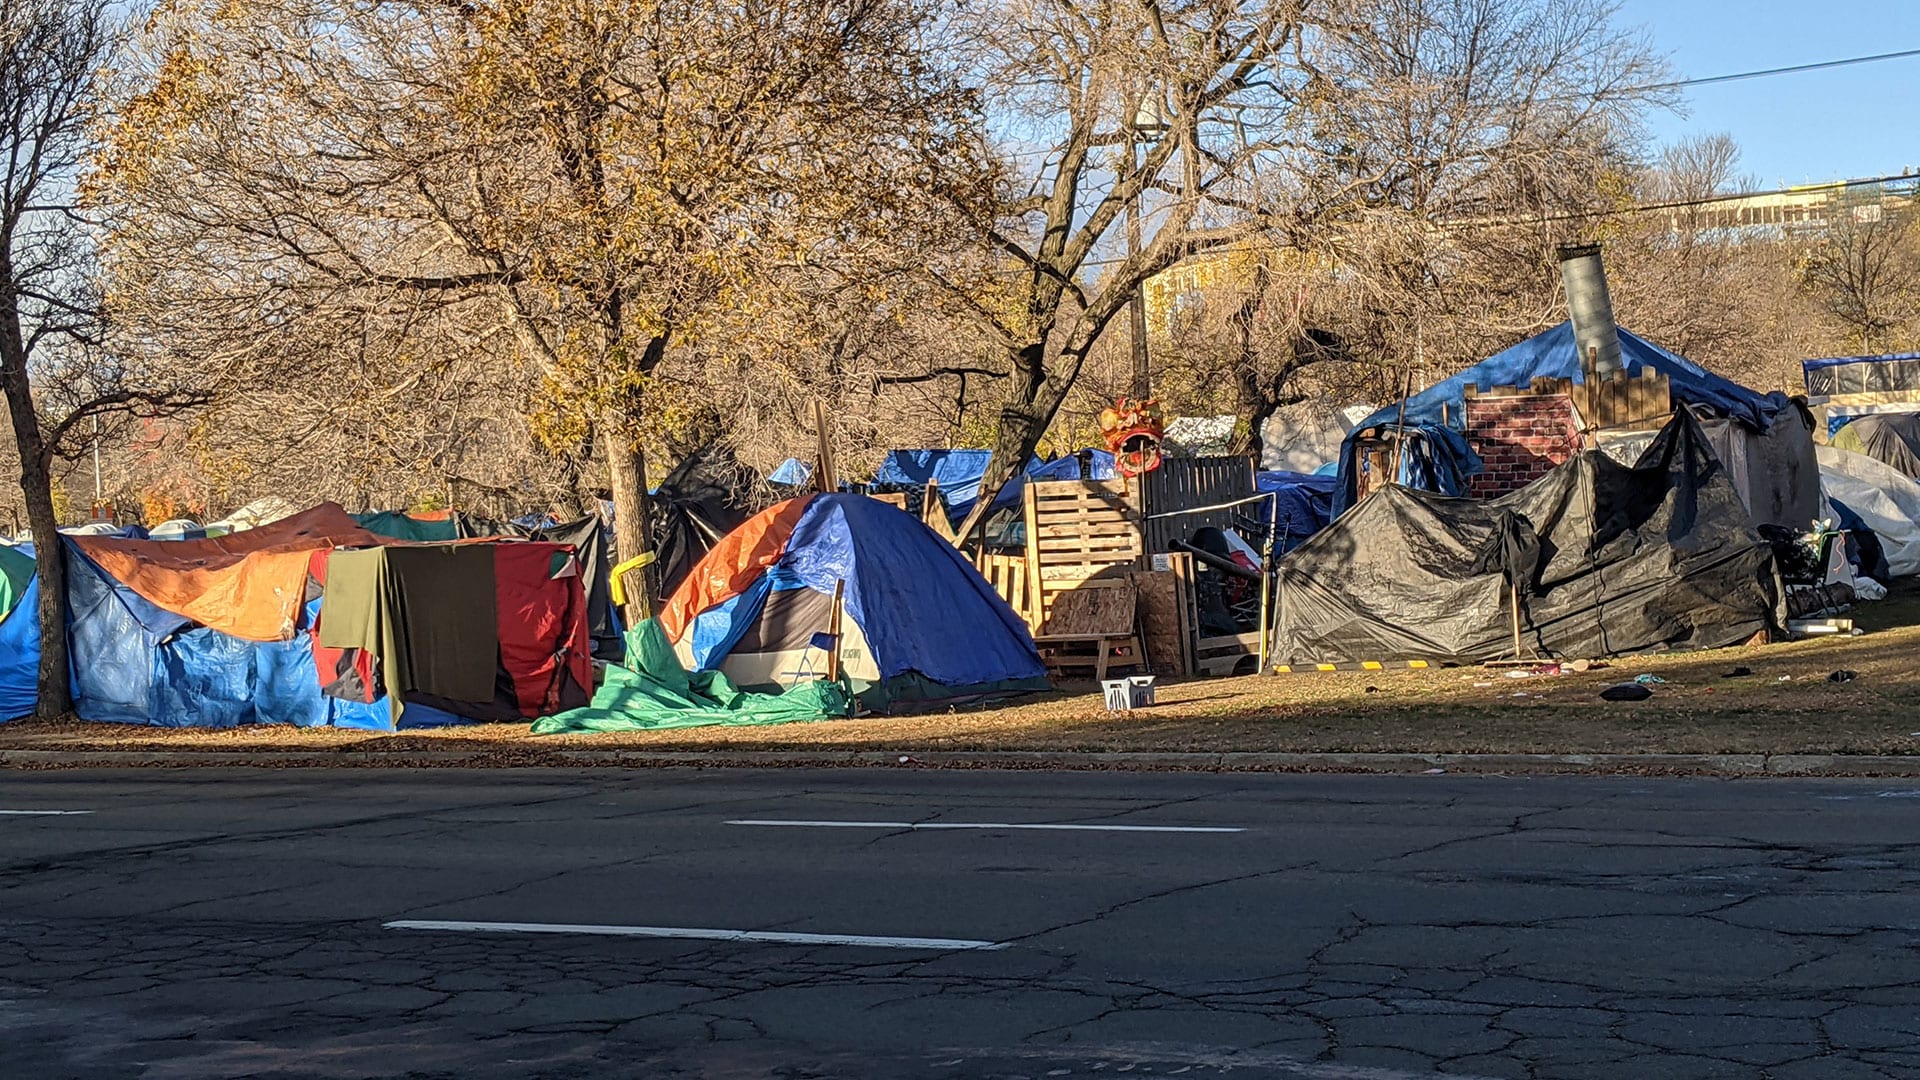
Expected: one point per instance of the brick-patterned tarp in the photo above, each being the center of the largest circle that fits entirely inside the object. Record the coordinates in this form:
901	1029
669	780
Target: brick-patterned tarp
1520	439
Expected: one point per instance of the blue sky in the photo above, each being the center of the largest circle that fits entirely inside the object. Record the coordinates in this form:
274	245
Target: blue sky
1825	125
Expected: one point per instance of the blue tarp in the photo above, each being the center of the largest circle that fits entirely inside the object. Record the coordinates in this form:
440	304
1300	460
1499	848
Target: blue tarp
20	654
1302	504
958	472
1067	467
792	472
1553	355
134	663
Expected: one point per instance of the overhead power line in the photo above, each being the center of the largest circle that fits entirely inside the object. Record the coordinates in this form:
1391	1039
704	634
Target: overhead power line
1794	69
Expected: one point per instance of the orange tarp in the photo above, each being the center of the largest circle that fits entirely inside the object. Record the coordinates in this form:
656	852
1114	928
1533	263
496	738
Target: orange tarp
733	564
249	584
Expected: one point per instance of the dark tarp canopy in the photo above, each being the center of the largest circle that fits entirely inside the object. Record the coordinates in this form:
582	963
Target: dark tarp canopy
1608	559
705	497
1891	437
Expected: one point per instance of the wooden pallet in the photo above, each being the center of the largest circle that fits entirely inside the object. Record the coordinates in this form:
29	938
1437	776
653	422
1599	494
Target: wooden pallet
1077	530
1227	654
1094	655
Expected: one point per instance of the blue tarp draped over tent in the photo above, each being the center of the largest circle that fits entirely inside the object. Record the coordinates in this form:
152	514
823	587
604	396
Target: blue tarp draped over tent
1067	467
792	472
921	605
19	634
1553	355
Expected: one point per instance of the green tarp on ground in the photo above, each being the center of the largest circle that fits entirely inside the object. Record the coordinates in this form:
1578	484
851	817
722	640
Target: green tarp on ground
652	692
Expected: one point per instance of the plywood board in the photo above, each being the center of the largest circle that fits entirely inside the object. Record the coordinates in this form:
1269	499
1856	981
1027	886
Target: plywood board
1162	627
1101	608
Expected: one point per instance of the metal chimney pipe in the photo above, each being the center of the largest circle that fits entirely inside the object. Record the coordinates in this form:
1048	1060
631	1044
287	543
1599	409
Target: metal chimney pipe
1594	330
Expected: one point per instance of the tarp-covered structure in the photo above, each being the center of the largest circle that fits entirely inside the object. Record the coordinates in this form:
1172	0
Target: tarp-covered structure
199	633
1892	438
957	474
1607	559
1305	436
19	632
481	630
1875	496
223	631
1771	465
920	622
704	498
586	535
1302	505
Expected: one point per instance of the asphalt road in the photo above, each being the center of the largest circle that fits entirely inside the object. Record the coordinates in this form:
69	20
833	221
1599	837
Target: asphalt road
213	923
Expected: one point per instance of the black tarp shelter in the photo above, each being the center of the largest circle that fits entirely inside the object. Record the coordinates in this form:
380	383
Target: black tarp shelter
1608	559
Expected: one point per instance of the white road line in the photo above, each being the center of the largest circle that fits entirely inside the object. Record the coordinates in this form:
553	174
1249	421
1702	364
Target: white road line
986	825
698	933
41	813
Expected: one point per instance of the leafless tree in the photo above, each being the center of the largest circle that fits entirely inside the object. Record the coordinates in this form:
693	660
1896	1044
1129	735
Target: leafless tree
1865	271
59	368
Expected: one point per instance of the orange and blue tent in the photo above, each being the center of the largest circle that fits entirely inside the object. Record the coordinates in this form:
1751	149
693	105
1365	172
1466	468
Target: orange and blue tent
920	622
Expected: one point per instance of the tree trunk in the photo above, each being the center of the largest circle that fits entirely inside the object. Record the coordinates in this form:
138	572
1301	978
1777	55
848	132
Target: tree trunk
632	528
1031	404
36	489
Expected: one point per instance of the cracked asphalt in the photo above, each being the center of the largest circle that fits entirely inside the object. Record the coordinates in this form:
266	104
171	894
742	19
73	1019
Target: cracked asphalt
217	923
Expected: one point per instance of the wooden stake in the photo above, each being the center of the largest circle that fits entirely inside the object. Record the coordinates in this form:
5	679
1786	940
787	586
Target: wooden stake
824	478
833	631
1514	591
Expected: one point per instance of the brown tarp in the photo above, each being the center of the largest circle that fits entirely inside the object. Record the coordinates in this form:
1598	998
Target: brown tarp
248	584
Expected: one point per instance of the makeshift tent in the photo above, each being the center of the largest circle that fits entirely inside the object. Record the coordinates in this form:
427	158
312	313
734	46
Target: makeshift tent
1607	560
426	527
219	632
1199	436
791	473
19	632
704	498
1554	355
1088	464
200	633
1879	498
920	622
1889	437
651	691
1306	435
587	536
485	630
178	529
253	515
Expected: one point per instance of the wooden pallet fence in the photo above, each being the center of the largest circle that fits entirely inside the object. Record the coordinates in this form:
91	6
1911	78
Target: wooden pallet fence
1010	578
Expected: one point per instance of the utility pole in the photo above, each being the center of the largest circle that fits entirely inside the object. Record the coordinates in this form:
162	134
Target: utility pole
1137	304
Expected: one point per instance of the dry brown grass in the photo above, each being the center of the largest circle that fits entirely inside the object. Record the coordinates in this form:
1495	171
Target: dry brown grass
1787	705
